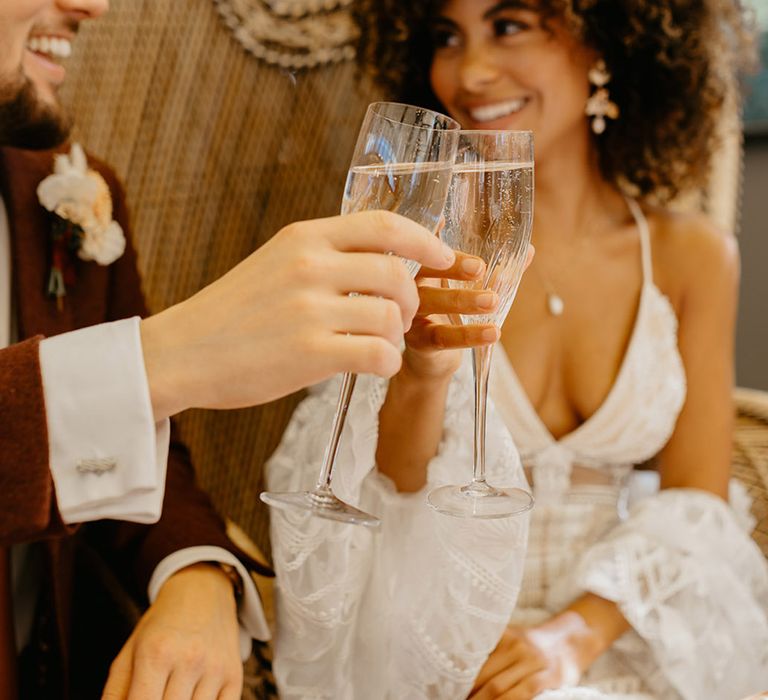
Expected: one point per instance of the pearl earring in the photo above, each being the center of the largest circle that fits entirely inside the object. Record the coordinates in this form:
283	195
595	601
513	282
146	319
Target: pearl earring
599	105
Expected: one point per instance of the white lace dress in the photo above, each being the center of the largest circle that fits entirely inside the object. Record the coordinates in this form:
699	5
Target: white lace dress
413	611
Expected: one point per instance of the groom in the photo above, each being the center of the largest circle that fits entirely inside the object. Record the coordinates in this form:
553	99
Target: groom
83	429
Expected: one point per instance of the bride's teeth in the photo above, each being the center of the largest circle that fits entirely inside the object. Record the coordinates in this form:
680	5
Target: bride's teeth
491	112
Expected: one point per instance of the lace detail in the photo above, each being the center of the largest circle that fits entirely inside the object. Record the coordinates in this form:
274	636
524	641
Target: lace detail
694	587
363	614
591	694
552	474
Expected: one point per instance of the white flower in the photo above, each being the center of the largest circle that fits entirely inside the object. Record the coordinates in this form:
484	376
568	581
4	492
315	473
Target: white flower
103	245
80	195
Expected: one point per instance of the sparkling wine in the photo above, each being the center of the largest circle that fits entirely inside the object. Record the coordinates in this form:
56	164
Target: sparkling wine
488	214
415	190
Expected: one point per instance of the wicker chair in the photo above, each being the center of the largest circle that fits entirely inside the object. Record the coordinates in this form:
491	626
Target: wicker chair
750	456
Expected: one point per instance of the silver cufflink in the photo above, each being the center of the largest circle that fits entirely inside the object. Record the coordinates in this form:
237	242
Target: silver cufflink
96	465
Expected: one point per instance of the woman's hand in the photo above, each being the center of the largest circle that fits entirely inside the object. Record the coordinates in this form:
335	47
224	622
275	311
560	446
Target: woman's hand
434	341
436	337
529	660
185	646
411	418
554	654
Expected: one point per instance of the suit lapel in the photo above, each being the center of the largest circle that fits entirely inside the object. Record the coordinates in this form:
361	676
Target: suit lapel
30	225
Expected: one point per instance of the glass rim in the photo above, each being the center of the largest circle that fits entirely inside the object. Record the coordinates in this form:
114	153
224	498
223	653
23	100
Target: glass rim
514	132
452	125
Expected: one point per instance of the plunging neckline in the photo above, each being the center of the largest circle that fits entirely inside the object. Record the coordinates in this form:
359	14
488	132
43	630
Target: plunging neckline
647	287
572	435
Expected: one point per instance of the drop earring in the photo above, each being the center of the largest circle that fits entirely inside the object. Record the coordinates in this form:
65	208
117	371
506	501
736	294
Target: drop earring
599	105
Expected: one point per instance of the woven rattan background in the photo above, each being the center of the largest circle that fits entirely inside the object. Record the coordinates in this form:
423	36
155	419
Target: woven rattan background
750	459
217	151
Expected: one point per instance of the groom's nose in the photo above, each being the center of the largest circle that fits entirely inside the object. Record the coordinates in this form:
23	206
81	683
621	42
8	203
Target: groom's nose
83	9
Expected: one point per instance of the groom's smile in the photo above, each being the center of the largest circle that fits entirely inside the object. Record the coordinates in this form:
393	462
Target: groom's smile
46	50
50	41
35	38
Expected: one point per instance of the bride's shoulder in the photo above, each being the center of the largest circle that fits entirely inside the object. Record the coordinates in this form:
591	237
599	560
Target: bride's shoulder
691	252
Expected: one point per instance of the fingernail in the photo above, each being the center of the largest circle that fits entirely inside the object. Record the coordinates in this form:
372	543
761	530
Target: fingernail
448	253
486	300
472	266
489	335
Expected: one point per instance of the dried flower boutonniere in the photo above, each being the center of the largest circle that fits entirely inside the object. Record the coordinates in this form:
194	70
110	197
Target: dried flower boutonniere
81	203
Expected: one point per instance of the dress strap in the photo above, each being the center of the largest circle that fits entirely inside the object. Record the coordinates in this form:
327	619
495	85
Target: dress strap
645	239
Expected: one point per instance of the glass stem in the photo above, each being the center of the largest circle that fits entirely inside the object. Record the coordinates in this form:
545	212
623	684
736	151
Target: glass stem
481	367
323	486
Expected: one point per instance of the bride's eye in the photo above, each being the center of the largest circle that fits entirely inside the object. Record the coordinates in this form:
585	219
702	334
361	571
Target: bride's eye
444	38
508	27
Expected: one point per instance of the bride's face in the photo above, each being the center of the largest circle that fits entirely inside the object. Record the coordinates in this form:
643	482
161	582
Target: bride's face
496	66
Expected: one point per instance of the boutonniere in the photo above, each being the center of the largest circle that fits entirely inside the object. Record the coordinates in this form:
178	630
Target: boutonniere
81	204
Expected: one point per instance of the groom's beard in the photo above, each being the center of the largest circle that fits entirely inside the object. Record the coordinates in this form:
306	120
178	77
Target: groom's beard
26	121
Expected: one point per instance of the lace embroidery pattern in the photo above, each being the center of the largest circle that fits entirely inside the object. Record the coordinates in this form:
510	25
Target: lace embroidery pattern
694	587
349	599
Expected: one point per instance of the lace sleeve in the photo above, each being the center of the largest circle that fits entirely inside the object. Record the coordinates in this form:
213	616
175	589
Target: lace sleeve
694	587
411	611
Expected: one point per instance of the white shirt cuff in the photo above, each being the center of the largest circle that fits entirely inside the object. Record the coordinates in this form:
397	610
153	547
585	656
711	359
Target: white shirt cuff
253	623
107	455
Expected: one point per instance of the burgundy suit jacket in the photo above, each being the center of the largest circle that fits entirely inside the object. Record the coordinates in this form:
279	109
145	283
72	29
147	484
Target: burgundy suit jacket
28	510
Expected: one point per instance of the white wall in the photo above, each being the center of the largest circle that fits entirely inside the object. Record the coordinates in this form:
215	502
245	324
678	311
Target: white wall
752	330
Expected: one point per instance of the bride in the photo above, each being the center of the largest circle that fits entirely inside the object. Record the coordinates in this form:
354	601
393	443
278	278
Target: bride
613	375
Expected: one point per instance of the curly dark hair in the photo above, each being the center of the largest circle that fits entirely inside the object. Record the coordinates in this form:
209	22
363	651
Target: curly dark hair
674	65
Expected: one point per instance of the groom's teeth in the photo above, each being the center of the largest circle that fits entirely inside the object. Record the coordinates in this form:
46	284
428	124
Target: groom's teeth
51	46
491	112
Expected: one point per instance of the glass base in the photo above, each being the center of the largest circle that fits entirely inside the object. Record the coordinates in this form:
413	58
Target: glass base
321	504
479	500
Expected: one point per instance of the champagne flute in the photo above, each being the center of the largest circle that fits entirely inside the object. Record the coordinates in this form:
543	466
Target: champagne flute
489	214
403	162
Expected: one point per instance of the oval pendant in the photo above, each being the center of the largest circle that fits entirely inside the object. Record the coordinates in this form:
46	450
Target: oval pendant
555	304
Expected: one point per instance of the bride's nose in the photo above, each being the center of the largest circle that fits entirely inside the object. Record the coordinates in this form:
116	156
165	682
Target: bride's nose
478	68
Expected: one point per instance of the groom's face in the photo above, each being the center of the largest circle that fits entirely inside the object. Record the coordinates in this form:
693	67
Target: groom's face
35	39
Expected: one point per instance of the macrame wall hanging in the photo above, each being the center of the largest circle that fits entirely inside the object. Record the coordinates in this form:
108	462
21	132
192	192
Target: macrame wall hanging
293	34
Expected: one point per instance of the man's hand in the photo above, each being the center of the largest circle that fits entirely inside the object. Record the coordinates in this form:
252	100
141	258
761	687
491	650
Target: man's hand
529	660
185	647
284	319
